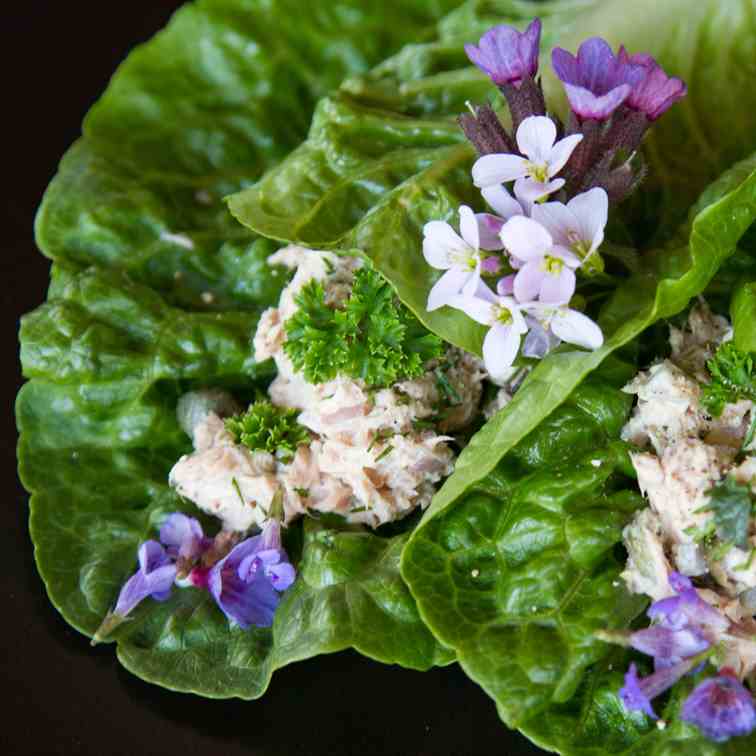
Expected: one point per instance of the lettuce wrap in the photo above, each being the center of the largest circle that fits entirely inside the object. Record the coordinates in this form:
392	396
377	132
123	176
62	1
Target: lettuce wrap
157	290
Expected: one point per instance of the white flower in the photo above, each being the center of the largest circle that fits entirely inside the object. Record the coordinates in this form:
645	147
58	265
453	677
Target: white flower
578	226
566	324
507	325
543	270
533	174
458	255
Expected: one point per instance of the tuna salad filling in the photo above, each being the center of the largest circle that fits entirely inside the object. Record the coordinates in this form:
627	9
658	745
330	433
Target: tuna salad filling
695	464
371	449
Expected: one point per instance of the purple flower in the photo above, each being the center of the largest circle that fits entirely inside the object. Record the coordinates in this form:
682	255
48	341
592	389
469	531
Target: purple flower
668	646
154	578
596	81
687	609
507	55
246	583
638	692
183	537
720	707
655	92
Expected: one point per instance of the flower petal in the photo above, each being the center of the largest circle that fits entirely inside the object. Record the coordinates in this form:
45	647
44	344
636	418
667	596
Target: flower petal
721	708
525	238
478	309
468	227
182	535
535	138
561	152
488	230
499	350
575	328
501	201
440	242
529	191
495	169
588	105
151	555
558	219
558	289
505	286
591	212
528	281
448	286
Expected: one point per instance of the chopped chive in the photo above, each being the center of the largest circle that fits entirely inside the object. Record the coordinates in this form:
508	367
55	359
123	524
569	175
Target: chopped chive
384	453
235	484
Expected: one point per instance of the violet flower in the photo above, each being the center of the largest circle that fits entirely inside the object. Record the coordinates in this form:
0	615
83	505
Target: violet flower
154	578
183	537
507	55
687	609
655	92
596	81
246	584
721	707
638	692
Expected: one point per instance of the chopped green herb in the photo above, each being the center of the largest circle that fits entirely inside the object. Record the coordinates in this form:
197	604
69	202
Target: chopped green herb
268	428
719	551
446	388
235	484
373	336
732	378
303	492
359	509
380	436
747	564
732	505
384	453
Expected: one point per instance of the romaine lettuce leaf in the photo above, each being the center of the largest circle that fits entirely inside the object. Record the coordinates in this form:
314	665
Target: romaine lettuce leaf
384	154
108	360
221	94
544	687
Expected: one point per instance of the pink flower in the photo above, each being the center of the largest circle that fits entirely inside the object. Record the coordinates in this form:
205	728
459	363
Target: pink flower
533	174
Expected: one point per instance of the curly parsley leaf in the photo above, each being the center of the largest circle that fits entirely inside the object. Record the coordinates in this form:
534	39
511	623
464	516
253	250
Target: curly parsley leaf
372	337
732	505
268	428
732	378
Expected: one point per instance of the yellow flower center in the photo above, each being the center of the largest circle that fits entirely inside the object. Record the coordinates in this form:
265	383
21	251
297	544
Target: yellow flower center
504	316
553	265
538	172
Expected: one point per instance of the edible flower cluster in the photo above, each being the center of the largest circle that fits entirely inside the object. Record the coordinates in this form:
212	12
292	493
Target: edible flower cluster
684	633
245	578
549	186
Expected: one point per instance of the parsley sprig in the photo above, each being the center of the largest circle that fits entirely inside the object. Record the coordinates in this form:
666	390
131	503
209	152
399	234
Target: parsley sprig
372	337
268	428
732	378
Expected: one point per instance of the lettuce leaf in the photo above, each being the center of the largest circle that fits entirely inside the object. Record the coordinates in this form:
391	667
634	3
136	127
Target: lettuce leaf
109	359
134	224
384	154
553	696
220	95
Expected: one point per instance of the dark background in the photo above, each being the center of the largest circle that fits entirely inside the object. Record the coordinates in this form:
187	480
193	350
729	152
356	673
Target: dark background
62	696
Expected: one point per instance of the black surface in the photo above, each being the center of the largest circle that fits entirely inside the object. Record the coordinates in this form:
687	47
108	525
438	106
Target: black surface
62	696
